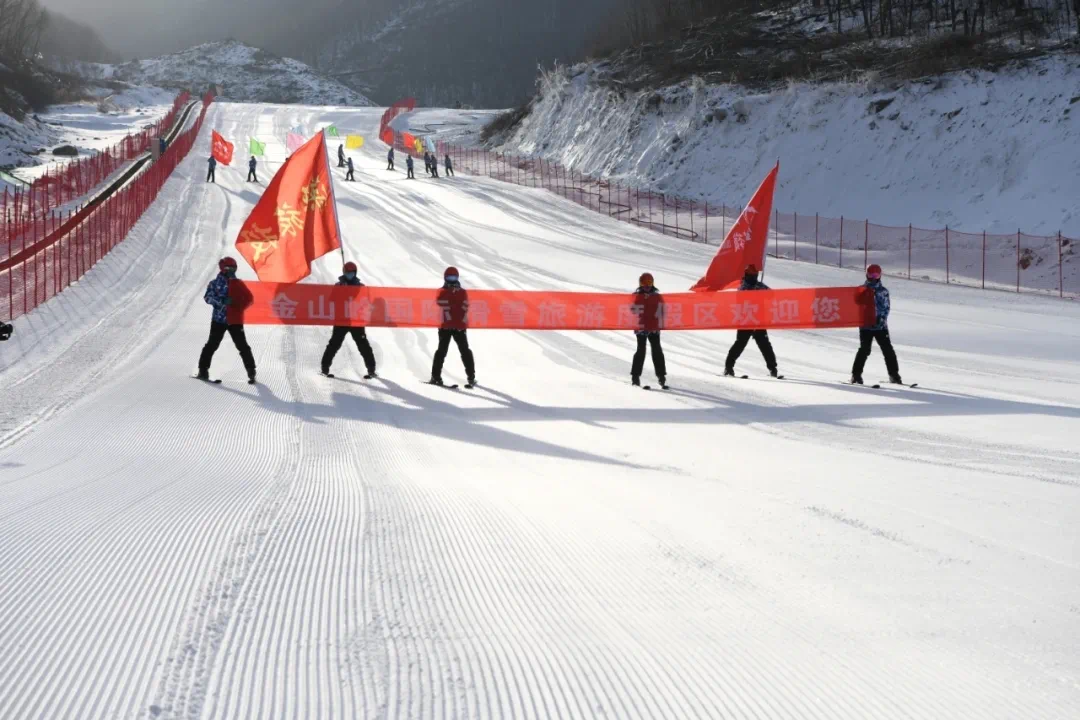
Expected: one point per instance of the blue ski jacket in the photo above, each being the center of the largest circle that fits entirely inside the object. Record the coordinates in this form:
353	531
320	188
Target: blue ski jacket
217	293
881	304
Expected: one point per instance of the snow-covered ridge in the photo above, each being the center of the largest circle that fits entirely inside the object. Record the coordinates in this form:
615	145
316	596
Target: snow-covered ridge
973	151
245	74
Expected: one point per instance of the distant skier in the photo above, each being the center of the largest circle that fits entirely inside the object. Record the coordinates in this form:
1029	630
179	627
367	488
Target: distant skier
217	295
454	301
650	301
252	164
341	156
6	330
449	166
390	159
163	144
878	331
210	171
349	174
434	165
427	163
409	167
359	334
742	337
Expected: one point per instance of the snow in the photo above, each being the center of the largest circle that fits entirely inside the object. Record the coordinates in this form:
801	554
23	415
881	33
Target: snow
555	543
973	151
90	126
246	74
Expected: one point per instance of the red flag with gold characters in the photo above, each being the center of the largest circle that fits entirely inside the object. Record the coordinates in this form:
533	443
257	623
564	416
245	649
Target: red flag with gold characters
221	148
294	221
745	242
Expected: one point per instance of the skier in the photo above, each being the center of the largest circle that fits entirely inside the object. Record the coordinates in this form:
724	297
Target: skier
455	304
878	331
210	171
252	163
649	299
217	295
742	337
162	145
390	159
409	167
349	175
359	334
427	163
341	156
449	166
6	330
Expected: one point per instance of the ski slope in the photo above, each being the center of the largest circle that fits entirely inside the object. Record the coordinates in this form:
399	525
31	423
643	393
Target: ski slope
552	544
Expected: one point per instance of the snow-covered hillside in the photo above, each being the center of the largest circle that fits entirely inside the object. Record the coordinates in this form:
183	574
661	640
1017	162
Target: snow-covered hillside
102	120
552	544
245	74
974	151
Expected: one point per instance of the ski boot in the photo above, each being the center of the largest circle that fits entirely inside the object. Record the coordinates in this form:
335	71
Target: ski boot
895	380
729	372
635	381
856	380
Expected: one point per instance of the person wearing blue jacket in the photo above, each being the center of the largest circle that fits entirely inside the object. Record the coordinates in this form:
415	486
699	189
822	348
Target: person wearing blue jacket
210	170
409	167
449	166
252	164
390	159
359	334
879	331
742	337
217	296
349	175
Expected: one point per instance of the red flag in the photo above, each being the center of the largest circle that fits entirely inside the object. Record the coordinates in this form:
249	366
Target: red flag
221	149
294	221
745	242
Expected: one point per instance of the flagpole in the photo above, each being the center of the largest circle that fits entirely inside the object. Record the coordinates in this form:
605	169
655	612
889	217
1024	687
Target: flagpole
330	179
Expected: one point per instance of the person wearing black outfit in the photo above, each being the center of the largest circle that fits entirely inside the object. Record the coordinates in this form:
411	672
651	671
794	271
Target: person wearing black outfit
648	298
359	334
341	156
349	174
252	164
409	167
454	302
211	167
390	159
742	337
449	166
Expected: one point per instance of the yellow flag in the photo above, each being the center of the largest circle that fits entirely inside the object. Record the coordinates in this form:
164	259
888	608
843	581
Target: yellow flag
419	146
353	142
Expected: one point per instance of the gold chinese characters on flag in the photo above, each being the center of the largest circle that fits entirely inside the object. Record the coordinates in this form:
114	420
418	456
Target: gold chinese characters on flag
294	222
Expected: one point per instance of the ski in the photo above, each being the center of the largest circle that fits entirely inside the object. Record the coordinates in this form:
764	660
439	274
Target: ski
912	385
207	380
448	387
848	382
740	377
659	387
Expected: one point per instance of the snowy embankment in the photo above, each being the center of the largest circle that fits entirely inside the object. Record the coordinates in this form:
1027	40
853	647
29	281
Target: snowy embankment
555	543
90	126
973	151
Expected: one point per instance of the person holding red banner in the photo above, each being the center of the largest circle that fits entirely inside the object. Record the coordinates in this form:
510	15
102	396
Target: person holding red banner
878	331
218	295
648	298
359	334
454	301
742	337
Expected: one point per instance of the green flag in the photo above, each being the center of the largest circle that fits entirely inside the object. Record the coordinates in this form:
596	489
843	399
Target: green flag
332	131
257	148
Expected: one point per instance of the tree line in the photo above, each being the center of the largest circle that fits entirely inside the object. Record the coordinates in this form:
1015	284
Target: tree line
22	25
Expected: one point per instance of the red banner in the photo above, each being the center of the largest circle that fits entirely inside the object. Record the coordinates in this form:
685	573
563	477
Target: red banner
288	304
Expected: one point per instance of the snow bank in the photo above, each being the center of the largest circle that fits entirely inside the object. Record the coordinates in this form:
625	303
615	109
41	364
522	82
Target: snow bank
974	150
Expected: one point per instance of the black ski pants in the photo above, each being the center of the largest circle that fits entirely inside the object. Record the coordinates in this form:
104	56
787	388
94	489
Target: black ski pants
659	365
742	338
866	344
359	336
410	175
390	165
450	170
210	176
217	334
349	175
252	177
462	340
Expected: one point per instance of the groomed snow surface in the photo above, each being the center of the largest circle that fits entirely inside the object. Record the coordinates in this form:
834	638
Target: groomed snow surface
554	543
